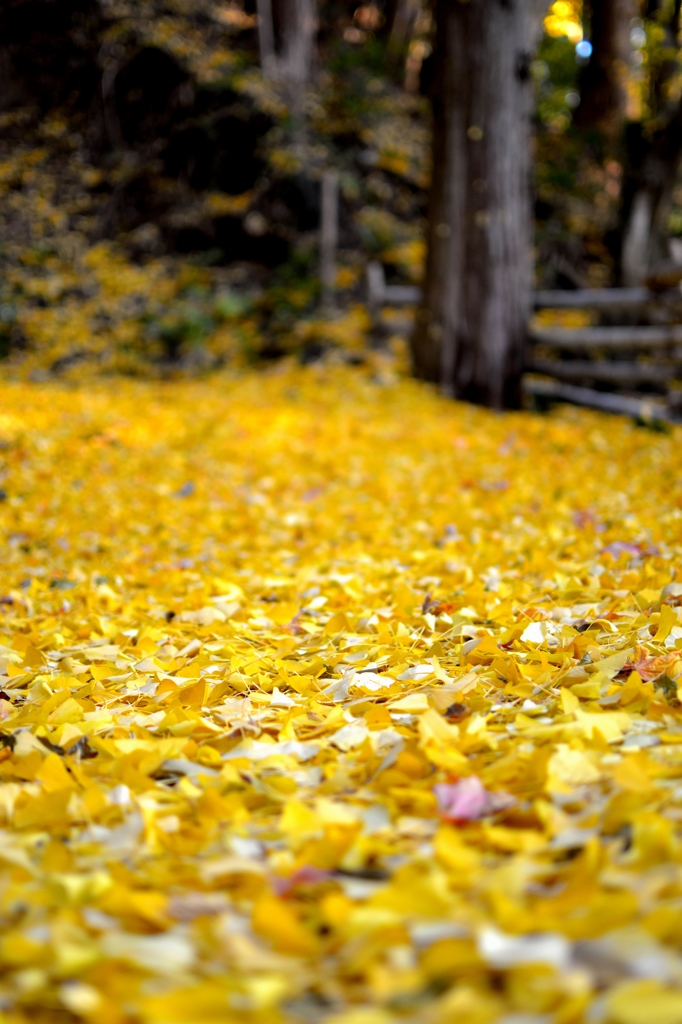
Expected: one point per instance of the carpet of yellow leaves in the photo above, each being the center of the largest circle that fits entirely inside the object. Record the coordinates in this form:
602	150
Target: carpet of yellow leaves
325	699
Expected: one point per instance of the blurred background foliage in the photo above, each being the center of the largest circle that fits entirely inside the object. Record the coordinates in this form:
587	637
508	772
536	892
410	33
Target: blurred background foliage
160	198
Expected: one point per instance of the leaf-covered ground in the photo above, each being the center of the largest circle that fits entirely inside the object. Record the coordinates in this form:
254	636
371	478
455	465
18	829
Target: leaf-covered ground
325	699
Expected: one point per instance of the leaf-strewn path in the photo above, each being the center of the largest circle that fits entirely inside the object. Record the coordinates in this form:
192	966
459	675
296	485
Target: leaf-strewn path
325	699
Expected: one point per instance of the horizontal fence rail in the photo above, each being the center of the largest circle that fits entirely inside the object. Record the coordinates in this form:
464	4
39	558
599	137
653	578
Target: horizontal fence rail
607	337
608	352
625	405
594	298
615	372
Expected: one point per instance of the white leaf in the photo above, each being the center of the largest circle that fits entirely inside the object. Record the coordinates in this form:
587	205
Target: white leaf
502	951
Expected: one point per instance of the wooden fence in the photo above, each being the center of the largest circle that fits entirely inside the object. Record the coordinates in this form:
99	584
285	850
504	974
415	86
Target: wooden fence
628	360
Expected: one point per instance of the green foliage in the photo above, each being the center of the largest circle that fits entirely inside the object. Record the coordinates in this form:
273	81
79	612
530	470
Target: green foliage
556	75
379	228
294	291
187	326
229	305
344	59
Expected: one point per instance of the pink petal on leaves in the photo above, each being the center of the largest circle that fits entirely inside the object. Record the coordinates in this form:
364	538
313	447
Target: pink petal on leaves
469	800
621	547
305	875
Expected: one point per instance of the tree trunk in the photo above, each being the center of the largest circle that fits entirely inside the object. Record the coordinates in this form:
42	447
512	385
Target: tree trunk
471	327
266	38
652	164
329	237
603	82
295	26
391	10
652	171
401	18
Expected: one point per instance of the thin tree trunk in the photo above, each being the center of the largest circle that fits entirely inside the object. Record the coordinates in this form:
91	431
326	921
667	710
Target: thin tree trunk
652	172
329	237
266	38
603	82
399	26
391	9
295	23
471	327
652	166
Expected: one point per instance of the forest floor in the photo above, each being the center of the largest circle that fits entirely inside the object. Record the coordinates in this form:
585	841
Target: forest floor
327	699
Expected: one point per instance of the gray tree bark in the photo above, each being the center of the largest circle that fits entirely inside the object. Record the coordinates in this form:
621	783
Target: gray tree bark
295	26
266	38
329	237
648	200
652	165
471	328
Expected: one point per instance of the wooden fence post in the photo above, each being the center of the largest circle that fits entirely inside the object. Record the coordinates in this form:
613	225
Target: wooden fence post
329	236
